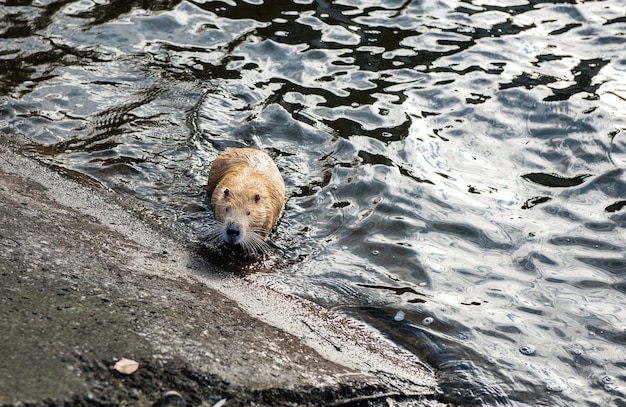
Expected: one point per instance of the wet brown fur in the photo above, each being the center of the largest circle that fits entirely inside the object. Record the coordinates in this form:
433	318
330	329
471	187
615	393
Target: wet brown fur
247	190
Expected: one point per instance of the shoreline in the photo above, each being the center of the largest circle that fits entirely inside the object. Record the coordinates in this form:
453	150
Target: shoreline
85	283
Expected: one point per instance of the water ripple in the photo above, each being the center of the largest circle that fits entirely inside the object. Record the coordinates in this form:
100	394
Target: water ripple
458	163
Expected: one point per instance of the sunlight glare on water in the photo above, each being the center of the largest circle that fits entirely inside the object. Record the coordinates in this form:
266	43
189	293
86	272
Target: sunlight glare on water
454	169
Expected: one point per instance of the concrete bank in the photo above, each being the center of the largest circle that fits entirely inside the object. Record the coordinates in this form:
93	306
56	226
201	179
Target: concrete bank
84	283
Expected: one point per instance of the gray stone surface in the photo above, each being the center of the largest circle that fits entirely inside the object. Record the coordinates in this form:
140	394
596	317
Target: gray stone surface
85	282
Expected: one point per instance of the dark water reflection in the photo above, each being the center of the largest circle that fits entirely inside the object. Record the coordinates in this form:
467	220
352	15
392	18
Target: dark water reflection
459	161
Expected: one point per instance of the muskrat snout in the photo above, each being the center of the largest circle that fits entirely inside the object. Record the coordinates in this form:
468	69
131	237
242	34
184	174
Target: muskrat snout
233	233
232	230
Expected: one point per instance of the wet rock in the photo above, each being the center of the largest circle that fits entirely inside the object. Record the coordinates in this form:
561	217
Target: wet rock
170	399
96	291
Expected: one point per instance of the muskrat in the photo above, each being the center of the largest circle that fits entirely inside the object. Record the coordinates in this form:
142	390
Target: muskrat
247	196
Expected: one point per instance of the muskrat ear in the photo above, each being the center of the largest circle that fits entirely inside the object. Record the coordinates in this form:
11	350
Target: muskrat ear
257	198
226	192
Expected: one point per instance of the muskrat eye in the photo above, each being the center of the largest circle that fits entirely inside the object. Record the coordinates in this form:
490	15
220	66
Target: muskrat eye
257	198
248	213
226	192
226	210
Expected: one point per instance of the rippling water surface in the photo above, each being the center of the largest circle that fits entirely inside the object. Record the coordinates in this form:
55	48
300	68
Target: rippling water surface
455	169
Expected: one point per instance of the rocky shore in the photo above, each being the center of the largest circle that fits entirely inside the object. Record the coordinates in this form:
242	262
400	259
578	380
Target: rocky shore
85	282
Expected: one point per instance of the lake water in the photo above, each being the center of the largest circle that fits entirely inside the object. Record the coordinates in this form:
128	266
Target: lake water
455	169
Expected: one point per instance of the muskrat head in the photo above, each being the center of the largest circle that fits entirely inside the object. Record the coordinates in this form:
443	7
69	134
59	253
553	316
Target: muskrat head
241	216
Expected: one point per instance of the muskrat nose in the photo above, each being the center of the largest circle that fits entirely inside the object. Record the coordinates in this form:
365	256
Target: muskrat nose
232	231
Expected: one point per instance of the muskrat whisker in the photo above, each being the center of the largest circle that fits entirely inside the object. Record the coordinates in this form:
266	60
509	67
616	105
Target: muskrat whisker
214	236
257	244
248	248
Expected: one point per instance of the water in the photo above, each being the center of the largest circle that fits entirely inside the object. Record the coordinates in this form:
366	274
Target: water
455	169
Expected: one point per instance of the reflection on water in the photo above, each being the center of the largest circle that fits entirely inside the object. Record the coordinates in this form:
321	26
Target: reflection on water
461	161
